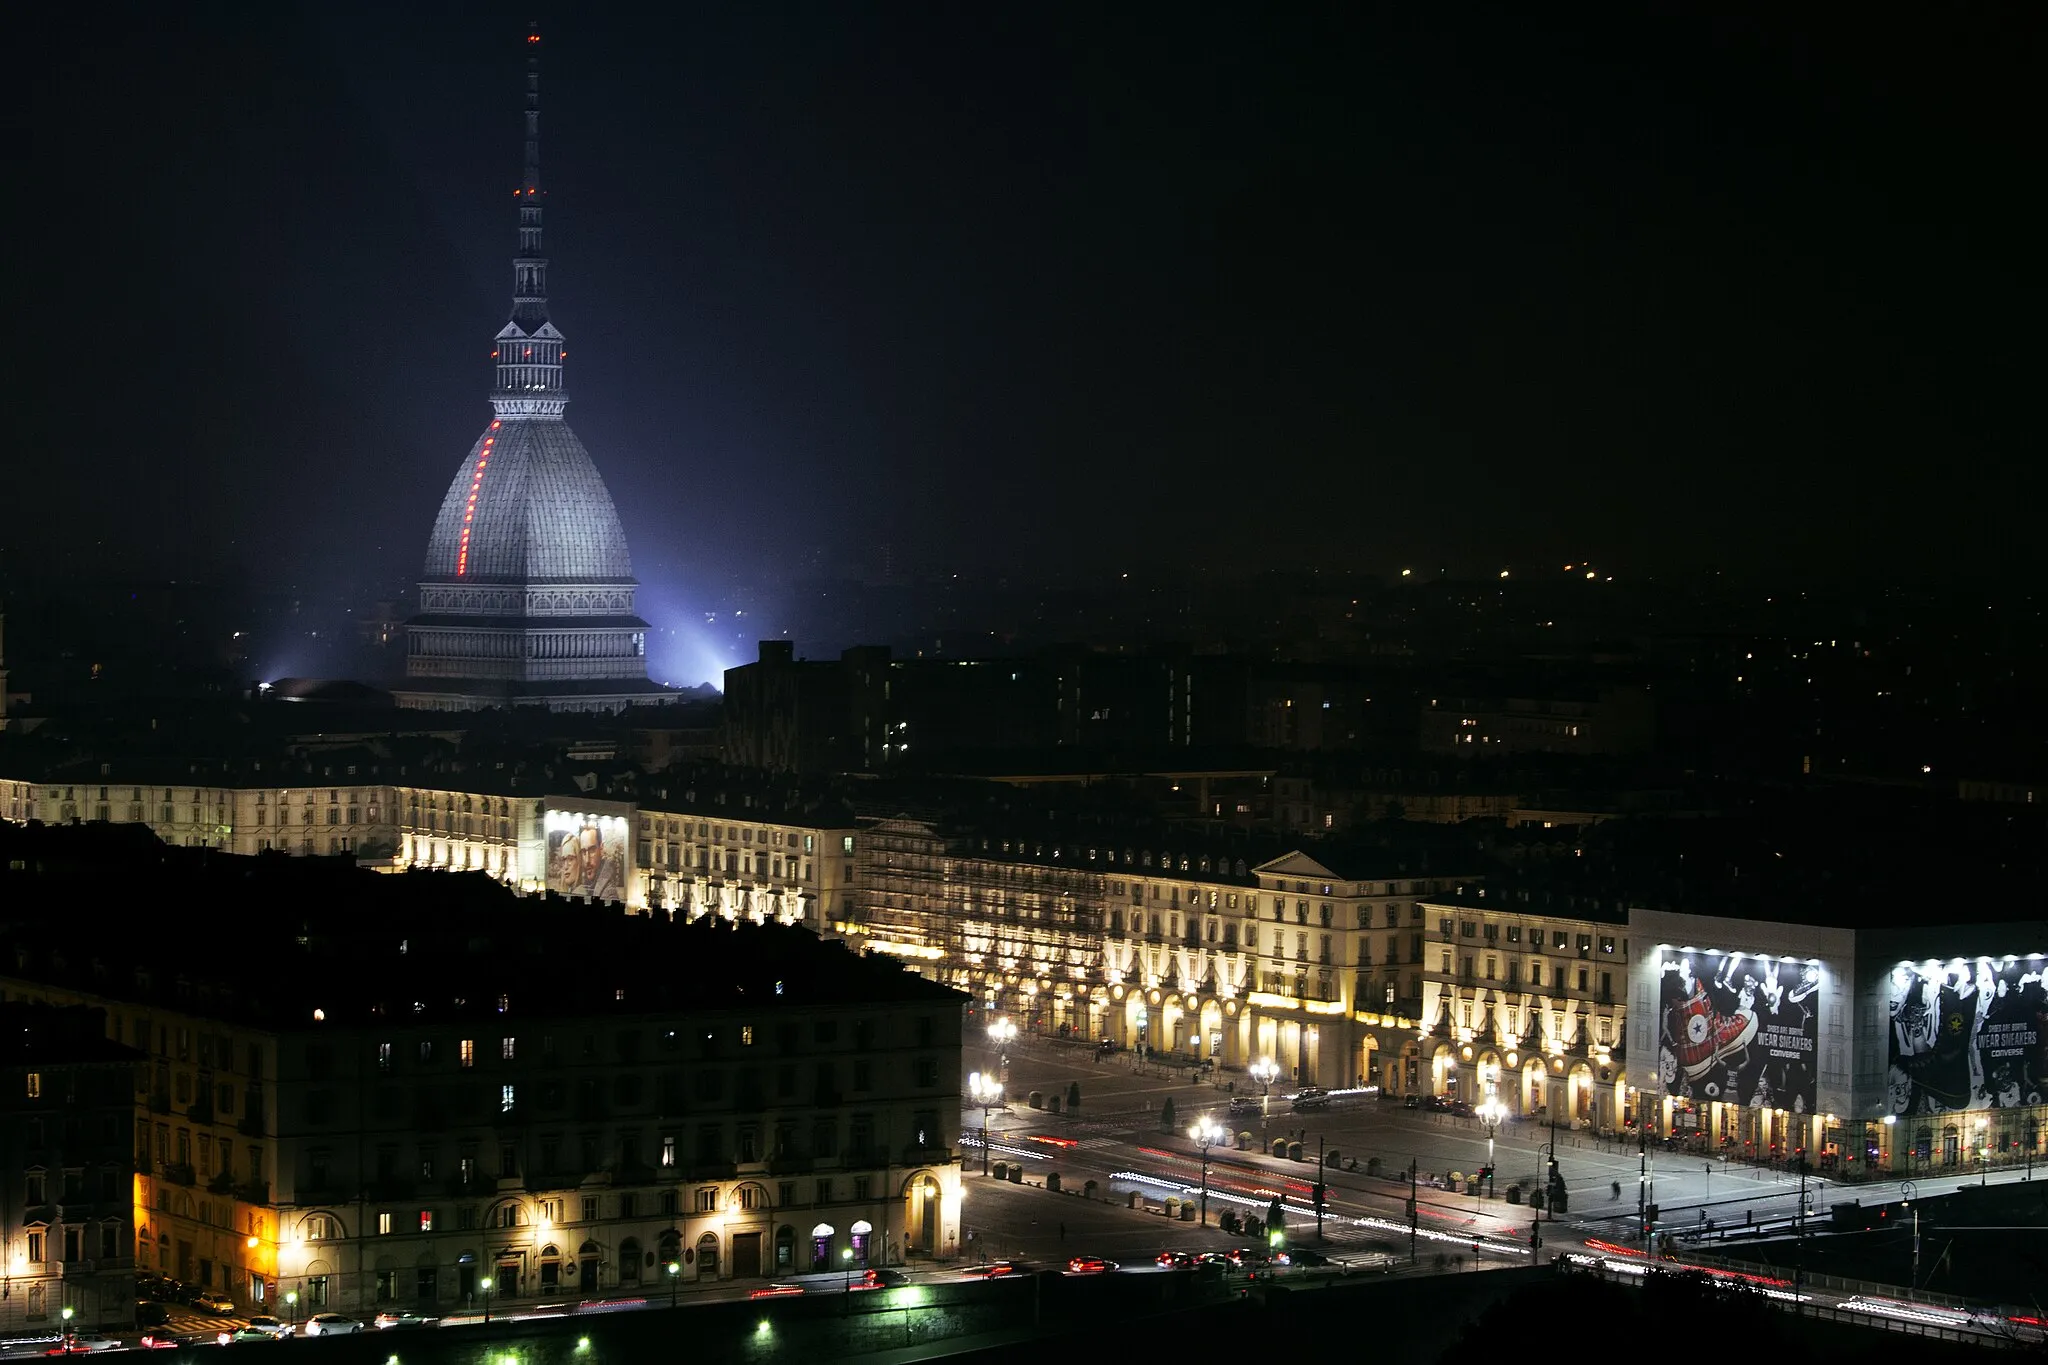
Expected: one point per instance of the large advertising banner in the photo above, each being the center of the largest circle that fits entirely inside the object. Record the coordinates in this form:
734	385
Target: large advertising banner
586	855
1969	1033
1739	1029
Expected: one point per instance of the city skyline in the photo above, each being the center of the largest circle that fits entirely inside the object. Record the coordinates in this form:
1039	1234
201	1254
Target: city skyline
1052	293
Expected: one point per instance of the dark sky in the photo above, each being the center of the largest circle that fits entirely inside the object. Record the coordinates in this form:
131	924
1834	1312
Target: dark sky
1083	287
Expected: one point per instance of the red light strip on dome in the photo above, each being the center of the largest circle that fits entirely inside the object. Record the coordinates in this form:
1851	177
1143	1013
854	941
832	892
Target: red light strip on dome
469	509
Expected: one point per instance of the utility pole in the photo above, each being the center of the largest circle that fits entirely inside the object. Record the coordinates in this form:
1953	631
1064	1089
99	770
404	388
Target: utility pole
1799	1243
1321	1195
1414	1211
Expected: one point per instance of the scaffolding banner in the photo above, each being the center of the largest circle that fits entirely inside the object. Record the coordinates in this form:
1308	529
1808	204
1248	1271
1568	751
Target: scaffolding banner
1739	1029
1967	1034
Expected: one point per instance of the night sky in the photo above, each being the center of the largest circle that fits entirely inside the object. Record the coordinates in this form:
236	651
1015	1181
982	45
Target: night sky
1040	287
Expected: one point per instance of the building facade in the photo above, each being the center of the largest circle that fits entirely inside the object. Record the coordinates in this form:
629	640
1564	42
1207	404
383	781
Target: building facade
407	1134
66	1123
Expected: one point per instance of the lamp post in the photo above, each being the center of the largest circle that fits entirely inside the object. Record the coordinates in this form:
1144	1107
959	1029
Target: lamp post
1491	1113
485	1285
1001	1033
67	1315
1265	1071
1206	1133
846	1259
986	1091
291	1305
675	1280
1983	1153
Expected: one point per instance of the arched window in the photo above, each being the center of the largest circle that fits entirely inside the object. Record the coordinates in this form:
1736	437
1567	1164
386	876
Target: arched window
707	1256
629	1261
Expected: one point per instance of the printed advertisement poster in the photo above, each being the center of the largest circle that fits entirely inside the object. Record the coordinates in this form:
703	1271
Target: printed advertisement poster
1739	1029
1967	1034
587	855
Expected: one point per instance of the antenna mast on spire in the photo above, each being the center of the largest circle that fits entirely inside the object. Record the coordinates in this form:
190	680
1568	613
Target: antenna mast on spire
529	348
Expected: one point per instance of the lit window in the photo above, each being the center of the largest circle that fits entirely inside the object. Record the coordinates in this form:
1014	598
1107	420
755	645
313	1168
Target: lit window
466	1050
383	1225
35	1085
506	1099
507	1047
746	1035
426	1220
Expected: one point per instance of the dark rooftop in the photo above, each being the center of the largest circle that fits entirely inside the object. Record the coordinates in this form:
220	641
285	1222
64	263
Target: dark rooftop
314	933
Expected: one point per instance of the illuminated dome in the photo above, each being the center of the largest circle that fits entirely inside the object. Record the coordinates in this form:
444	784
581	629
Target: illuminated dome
540	512
527	595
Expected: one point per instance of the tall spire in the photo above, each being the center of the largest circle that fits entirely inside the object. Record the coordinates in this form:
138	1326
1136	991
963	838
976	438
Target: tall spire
529	348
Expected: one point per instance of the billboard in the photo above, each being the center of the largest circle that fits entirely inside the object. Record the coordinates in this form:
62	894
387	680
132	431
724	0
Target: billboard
586	855
1967	1034
1738	1028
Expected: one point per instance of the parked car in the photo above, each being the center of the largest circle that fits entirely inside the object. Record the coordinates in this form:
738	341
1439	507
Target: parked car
161	1288
150	1313
211	1301
1090	1265
331	1325
402	1318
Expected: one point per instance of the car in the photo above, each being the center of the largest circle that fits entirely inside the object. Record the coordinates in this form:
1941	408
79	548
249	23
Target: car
1247	1257
1175	1260
1244	1104
994	1270
176	1341
878	1279
86	1343
780	1291
258	1328
210	1301
1216	1258
402	1318
1090	1265
1307	1256
331	1325
150	1313
1312	1097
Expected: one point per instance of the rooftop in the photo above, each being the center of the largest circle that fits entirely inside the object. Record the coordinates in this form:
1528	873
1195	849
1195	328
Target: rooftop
312	934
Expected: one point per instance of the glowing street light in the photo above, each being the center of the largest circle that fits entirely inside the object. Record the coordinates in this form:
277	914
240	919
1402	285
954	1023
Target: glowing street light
1001	1033
986	1091
485	1285
1206	1133
1265	1071
675	1278
1491	1113
846	1258
291	1303
67	1315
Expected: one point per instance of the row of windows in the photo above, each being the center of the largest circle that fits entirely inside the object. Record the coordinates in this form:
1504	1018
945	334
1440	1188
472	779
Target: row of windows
1561	940
861	1034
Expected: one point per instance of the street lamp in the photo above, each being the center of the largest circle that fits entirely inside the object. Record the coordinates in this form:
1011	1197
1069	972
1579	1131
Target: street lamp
846	1258
1206	1133
485	1285
987	1092
1983	1153
1491	1113
291	1303
1265	1071
67	1314
675	1278
1001	1033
